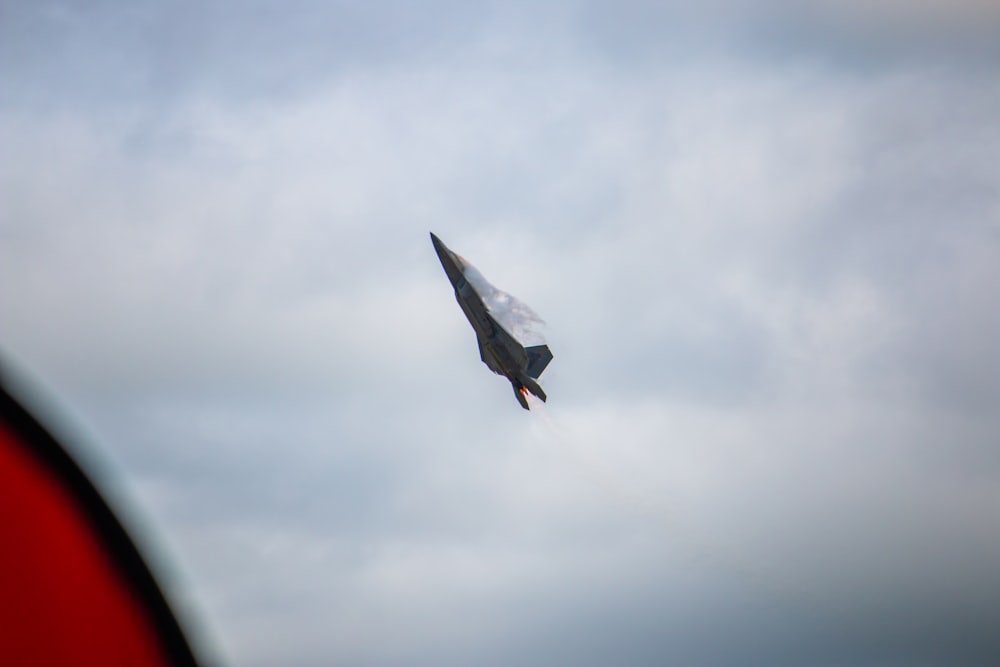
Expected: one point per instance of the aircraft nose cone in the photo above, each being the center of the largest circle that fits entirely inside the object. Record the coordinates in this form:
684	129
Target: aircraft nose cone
438	245
453	266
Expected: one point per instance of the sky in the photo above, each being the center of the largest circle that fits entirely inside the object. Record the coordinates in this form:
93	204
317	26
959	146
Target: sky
765	240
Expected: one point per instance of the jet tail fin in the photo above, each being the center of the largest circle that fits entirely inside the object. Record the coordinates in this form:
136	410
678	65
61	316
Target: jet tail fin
539	357
521	389
533	387
520	395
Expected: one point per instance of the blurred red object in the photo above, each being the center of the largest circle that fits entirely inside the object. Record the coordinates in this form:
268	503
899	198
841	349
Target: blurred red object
73	588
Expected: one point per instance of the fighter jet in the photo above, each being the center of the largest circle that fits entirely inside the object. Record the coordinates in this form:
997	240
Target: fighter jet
499	347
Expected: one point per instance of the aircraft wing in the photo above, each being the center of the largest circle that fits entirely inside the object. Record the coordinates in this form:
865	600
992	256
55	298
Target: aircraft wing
489	356
532	360
513	347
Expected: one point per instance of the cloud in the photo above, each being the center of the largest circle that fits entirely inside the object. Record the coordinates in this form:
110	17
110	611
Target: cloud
768	288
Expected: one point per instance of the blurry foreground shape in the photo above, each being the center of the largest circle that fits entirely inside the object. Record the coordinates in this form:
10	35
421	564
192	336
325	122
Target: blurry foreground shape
73	588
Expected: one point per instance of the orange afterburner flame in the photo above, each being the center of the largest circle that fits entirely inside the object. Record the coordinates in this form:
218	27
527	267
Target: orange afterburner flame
524	391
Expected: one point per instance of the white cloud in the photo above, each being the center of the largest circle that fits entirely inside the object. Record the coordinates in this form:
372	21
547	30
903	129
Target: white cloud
768	291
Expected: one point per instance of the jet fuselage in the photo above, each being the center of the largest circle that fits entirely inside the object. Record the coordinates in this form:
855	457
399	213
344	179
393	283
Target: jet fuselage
500	351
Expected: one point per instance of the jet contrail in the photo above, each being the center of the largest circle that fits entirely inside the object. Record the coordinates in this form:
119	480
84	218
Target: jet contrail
701	546
510	312
596	471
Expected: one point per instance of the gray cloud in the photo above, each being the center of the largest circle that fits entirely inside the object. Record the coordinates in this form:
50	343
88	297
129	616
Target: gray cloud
769	285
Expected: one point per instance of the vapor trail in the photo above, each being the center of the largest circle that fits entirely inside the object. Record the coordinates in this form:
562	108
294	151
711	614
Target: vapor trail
700	546
594	470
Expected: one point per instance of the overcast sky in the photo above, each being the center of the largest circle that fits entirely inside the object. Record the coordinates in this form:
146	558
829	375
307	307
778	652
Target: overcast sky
765	239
